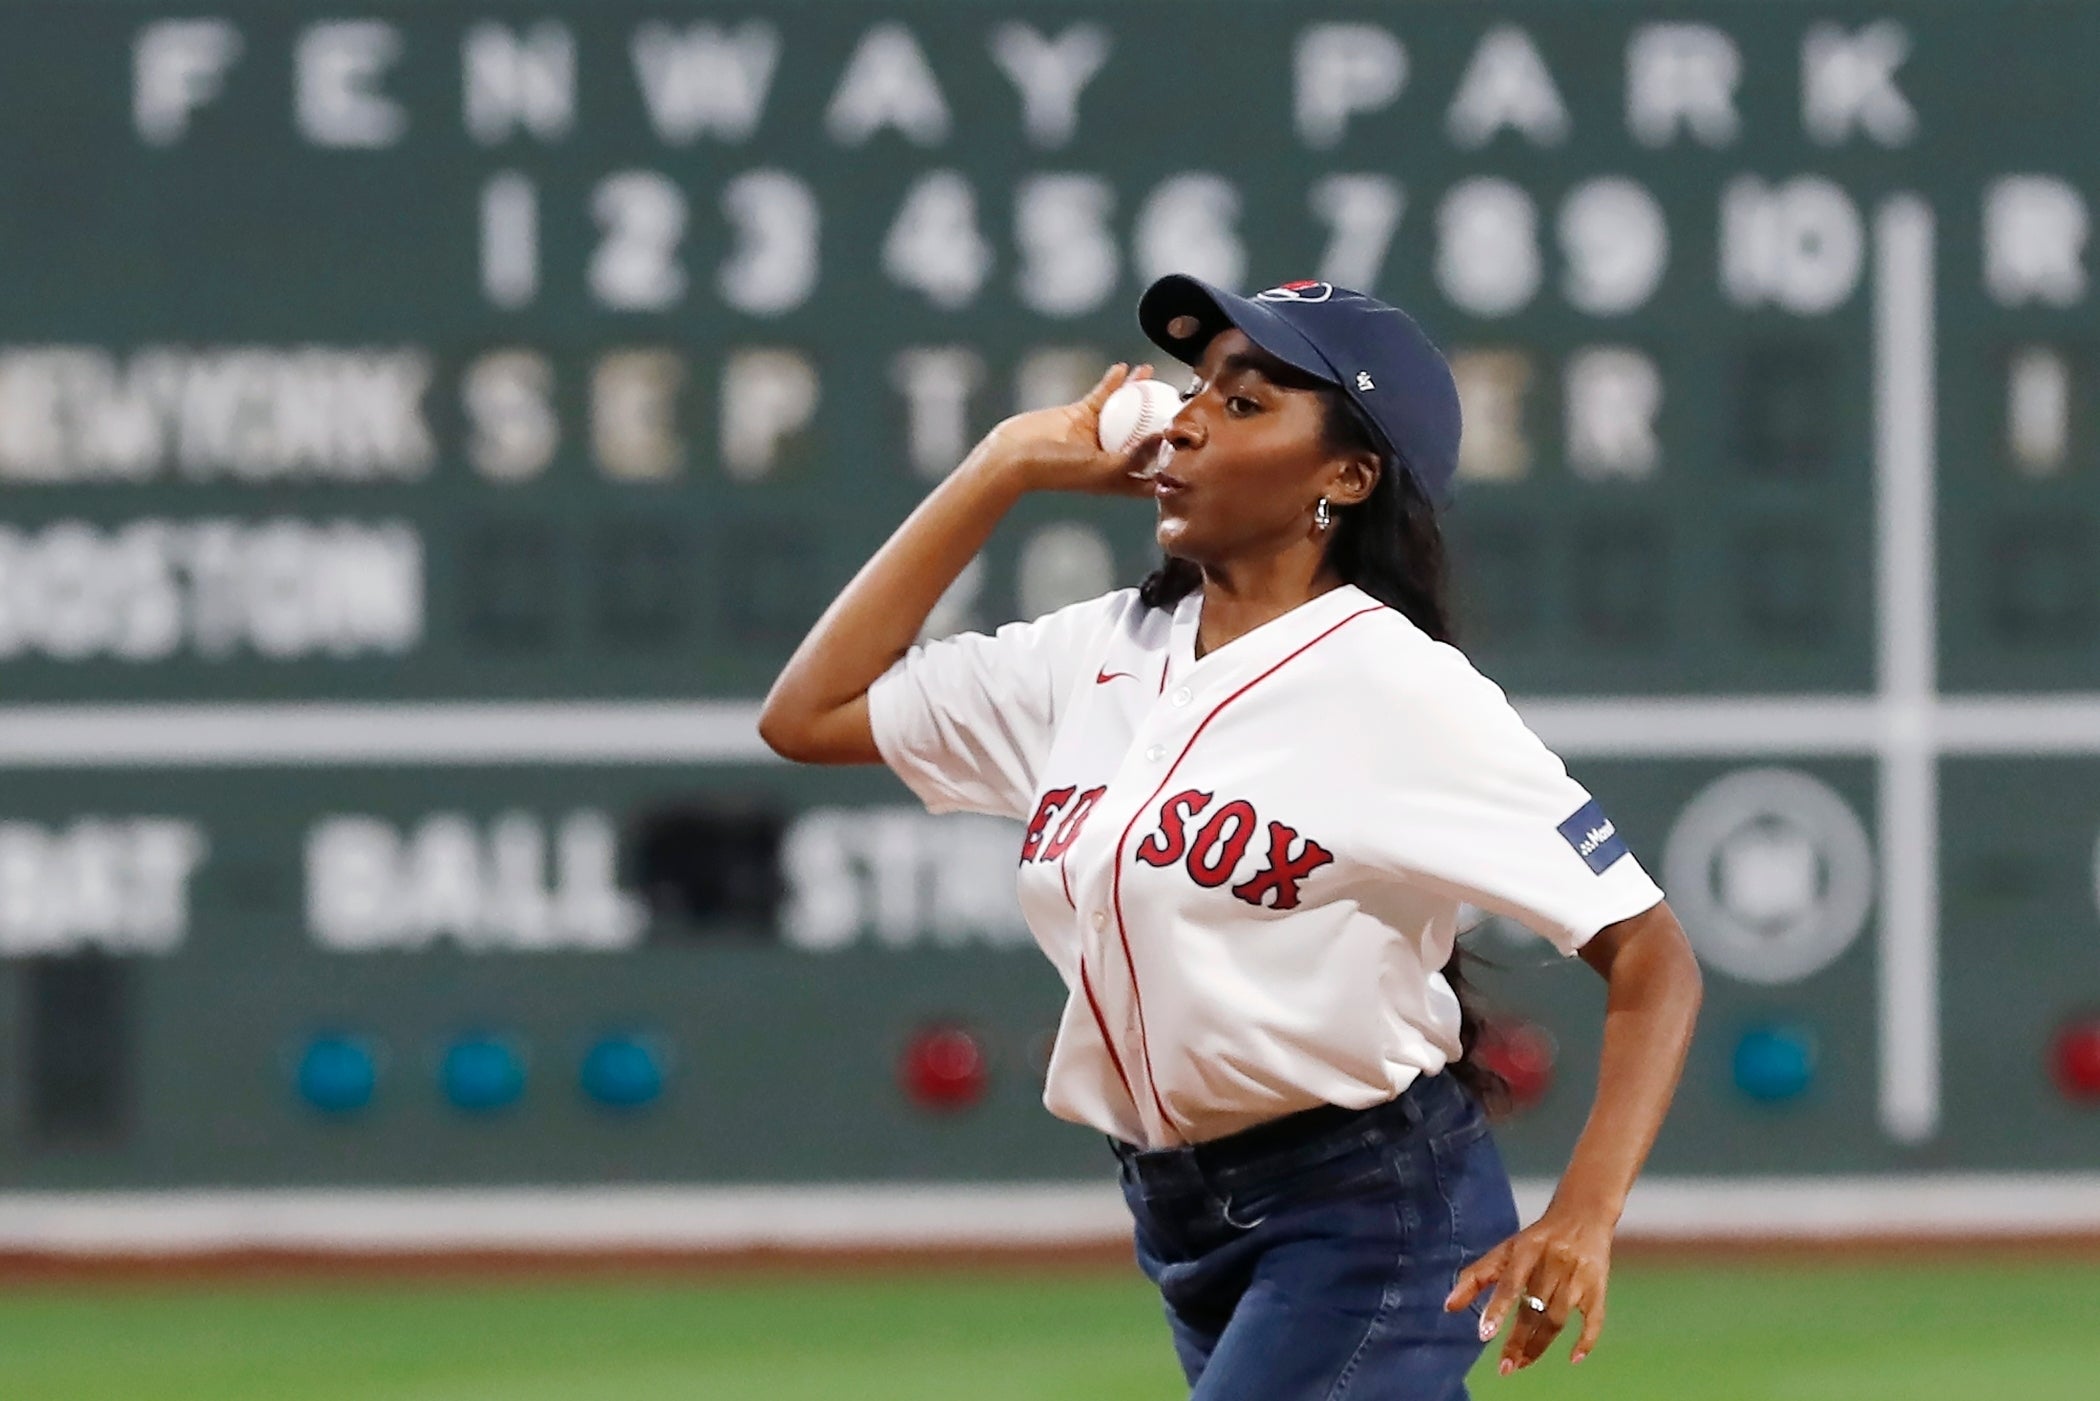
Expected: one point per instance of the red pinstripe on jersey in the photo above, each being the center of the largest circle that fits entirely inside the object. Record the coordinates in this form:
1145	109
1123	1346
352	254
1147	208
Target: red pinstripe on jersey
1116	887
1101	1025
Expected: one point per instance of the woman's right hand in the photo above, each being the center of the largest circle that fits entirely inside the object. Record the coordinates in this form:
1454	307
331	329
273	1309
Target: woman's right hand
1059	449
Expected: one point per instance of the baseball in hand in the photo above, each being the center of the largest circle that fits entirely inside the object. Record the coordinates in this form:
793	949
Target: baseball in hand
1137	409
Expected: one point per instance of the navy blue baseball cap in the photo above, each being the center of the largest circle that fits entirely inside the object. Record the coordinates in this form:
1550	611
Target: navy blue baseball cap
1374	352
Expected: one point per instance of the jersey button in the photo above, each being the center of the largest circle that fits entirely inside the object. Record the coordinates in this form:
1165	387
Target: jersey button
1181	695
1156	753
1101	919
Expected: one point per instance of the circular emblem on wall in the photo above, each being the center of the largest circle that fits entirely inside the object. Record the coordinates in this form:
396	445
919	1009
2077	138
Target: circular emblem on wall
1771	872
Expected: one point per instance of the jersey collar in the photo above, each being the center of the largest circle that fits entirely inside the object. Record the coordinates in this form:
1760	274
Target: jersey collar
1263	644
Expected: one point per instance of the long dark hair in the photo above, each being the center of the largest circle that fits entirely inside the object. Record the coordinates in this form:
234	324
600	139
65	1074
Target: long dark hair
1389	546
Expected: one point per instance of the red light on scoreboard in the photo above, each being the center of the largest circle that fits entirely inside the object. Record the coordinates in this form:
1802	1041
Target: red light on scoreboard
1522	1053
943	1069
2074	1060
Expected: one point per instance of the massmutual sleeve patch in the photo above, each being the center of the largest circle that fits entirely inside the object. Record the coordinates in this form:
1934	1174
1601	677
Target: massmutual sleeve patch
1594	838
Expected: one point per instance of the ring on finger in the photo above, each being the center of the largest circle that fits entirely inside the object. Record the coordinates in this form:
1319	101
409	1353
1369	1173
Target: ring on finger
1534	1303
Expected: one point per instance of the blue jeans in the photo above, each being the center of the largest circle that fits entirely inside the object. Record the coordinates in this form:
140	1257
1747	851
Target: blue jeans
1308	1259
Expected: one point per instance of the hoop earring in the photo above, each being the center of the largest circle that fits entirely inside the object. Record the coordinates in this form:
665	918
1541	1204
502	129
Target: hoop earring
1323	516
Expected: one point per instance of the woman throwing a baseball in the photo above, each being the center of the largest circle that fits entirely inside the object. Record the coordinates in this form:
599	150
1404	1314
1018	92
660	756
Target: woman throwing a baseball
1254	793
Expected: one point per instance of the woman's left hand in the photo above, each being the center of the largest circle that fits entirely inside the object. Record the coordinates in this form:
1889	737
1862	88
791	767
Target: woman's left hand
1564	1261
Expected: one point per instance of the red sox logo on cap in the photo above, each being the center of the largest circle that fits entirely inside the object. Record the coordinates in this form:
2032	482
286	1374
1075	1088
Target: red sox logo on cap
1297	292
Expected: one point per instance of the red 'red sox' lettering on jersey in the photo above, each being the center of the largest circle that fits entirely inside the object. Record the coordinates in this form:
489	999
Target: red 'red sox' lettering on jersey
1214	852
1056	803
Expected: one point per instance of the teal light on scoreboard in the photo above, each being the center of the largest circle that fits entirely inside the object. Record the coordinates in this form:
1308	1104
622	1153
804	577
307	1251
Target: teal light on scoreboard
425	429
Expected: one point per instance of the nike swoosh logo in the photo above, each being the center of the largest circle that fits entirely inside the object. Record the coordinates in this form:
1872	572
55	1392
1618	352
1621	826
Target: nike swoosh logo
1104	677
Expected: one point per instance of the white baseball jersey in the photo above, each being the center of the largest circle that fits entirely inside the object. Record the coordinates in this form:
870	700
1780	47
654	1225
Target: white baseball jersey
1248	868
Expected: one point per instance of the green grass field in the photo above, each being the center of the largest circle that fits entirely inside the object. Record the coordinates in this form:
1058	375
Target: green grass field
1919	1332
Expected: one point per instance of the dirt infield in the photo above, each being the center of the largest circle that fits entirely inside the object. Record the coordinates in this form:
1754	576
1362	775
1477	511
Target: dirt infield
34	1267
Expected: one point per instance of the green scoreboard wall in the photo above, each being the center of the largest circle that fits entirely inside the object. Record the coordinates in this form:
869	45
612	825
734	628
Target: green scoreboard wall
425	429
